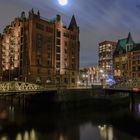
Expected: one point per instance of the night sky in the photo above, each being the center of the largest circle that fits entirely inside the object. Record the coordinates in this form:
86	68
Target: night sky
98	20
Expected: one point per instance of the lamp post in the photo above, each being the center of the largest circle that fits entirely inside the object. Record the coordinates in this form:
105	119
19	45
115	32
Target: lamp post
103	76
78	83
48	81
85	79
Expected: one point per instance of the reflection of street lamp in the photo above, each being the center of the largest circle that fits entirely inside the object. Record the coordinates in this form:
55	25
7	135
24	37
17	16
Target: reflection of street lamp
106	132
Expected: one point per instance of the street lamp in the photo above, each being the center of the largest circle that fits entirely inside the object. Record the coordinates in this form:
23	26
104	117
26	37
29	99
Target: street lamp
78	83
85	78
103	76
101	71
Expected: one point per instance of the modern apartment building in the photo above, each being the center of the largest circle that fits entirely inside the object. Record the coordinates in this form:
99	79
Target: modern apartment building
105	51
39	50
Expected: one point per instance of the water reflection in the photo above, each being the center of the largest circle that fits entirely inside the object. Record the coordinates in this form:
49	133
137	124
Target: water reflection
3	114
11	110
33	135
106	132
100	132
86	125
4	138
136	108
89	131
19	136
27	135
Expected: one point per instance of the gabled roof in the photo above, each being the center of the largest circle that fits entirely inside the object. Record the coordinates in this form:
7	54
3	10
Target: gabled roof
73	22
122	43
129	39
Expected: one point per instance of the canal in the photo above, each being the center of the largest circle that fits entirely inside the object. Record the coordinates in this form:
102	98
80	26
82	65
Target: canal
118	124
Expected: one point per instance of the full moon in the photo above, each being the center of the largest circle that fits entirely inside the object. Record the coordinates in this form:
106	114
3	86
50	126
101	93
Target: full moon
63	2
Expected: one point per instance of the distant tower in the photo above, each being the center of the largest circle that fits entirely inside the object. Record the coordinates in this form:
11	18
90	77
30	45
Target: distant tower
73	23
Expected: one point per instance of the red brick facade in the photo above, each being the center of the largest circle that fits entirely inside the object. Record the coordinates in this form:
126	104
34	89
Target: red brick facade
41	51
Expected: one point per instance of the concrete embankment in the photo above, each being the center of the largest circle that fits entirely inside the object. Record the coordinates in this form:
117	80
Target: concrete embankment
67	99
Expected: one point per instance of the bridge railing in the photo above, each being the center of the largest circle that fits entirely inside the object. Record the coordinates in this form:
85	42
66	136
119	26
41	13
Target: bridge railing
19	86
129	84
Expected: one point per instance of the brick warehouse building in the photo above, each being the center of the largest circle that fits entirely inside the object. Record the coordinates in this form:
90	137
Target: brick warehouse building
0	58
127	59
42	51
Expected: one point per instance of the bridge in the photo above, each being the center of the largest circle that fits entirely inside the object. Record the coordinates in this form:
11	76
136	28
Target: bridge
127	85
29	95
22	94
19	87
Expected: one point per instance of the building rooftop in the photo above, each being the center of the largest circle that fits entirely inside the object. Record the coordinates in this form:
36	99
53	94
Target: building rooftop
108	42
122	43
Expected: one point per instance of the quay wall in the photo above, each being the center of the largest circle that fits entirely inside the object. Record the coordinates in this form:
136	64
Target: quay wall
64	100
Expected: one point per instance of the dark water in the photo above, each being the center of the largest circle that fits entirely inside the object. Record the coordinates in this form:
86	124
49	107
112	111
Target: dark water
76	125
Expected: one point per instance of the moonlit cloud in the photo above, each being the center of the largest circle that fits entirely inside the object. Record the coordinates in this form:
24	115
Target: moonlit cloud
98	20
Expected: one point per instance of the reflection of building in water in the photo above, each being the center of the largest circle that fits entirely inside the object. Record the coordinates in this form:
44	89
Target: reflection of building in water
106	132
67	134
45	132
62	133
26	135
73	134
136	108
